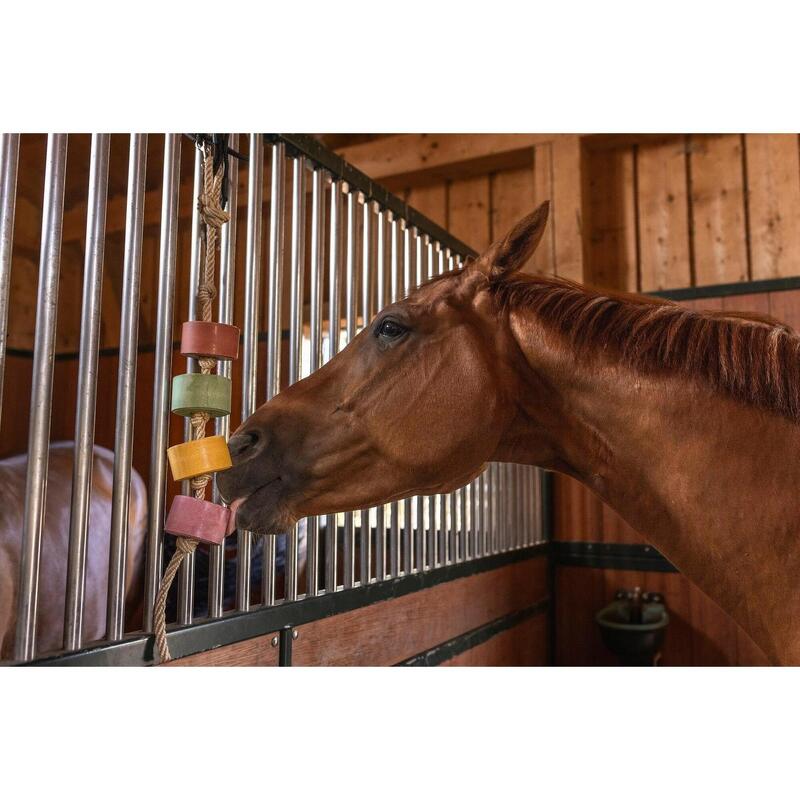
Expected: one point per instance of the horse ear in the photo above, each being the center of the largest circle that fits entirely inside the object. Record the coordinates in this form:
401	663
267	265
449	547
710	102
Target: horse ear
513	251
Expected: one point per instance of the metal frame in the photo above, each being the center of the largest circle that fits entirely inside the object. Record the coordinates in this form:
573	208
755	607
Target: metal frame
212	633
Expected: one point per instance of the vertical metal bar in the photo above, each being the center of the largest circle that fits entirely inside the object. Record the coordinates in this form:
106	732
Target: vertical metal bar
222	426
186	572
367	260
381	288
395	267
9	160
351	295
423	503
126	385
162	371
274	296
318	181
87	389
334	326
409	504
298	264
252	275
433	501
41	396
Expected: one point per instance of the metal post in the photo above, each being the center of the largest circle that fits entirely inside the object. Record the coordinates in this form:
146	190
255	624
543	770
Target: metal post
227	265
298	264
255	189
410	504
381	289
395	267
41	396
351	311
334	325
186	572
9	159
274	296
318	181
126	385
162	371
87	389
367	260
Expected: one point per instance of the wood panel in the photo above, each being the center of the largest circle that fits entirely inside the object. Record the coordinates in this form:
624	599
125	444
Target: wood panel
544	259
699	633
256	652
394	630
773	201
468	211
567	218
662	207
524	645
719	234
611	236
430	201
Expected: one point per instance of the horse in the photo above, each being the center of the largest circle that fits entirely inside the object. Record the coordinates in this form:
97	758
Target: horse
55	546
683	421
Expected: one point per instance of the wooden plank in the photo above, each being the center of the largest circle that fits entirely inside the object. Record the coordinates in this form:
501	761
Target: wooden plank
773	198
256	652
430	201
718	218
524	645
394	630
756	303
544	259
567	211
411	159
511	199
612	261
468	211
662	208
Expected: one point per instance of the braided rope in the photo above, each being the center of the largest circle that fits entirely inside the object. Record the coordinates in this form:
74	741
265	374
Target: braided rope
209	205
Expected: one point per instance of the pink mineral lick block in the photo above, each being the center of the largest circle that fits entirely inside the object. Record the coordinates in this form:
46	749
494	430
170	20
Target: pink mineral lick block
198	519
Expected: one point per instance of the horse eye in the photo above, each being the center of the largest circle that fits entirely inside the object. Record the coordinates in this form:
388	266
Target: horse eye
390	329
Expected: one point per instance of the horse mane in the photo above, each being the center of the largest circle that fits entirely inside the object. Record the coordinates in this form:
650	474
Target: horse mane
751	358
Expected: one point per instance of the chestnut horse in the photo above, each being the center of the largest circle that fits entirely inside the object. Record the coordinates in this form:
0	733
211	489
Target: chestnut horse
55	547
684	422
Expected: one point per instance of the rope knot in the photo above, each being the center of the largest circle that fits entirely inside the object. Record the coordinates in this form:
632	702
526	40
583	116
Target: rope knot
211	211
185	546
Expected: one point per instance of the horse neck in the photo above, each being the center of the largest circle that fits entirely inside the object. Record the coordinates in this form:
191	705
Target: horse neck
712	483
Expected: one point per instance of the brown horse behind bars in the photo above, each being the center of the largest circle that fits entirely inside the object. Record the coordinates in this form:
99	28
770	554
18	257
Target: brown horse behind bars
685	422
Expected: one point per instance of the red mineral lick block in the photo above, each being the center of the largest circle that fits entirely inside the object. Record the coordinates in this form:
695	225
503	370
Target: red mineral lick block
198	519
213	339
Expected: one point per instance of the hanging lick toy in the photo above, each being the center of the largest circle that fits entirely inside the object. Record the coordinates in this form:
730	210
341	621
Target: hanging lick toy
200	396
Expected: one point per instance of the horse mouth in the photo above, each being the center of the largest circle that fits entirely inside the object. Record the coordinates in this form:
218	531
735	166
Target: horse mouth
252	510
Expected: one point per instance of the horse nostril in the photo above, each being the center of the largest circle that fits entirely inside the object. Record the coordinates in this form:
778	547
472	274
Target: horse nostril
240	444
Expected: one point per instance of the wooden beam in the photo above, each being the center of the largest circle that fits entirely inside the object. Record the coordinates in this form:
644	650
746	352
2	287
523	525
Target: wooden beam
406	160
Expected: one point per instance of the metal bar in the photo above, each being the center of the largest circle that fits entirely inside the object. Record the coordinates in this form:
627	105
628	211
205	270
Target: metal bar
381	258
334	326
252	275
162	371
409	504
126	385
137	650
367	261
356	179
41	396
9	160
186	572
222	426
433	501
423	503
395	267
298	264
277	217
318	181
83	461
351	319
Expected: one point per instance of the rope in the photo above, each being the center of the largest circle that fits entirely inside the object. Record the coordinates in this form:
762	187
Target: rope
213	215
